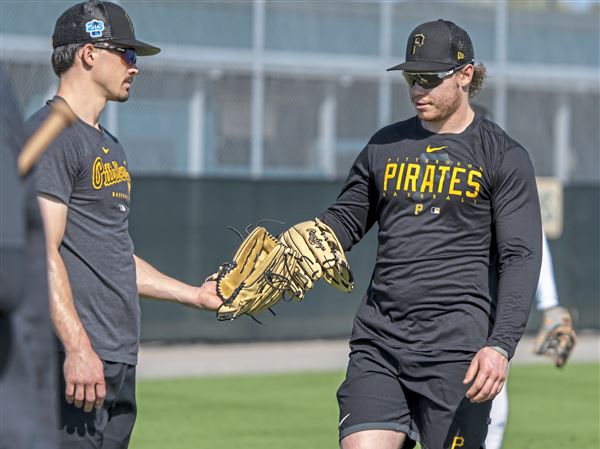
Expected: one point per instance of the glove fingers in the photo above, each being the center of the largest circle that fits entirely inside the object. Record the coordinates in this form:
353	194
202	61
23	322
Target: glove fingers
295	239
341	280
322	252
245	259
334	263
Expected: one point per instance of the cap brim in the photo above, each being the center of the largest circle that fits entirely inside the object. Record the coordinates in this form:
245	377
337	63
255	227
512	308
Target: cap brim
423	66
141	48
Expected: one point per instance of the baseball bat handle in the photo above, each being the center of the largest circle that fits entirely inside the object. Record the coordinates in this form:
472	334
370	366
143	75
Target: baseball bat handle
60	117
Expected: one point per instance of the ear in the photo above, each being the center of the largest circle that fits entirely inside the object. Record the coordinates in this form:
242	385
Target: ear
466	75
88	55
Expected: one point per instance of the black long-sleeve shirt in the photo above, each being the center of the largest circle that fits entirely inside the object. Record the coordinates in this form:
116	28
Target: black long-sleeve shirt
459	243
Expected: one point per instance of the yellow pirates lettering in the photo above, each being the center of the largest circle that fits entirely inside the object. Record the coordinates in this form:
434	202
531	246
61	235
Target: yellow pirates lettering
428	179
472	183
457	442
444	169
400	175
390	173
454	180
418	208
412	174
423	179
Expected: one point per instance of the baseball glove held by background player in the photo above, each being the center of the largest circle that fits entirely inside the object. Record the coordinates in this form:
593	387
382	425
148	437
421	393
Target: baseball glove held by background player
556	338
257	277
321	255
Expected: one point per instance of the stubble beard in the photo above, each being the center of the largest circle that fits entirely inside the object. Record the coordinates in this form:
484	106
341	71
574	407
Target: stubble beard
444	107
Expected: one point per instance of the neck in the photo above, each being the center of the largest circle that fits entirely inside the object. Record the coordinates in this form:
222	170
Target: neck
455	123
83	97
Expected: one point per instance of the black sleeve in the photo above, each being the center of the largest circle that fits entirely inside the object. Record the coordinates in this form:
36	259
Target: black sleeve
518	231
353	213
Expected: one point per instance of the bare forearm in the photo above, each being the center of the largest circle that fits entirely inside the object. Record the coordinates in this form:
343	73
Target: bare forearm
154	284
63	313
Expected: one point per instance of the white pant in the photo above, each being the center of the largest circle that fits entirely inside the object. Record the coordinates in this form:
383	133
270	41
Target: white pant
498	415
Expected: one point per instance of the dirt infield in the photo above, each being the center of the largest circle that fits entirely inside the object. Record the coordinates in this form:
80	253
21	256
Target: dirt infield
192	360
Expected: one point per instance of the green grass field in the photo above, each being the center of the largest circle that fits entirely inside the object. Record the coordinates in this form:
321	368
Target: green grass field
549	409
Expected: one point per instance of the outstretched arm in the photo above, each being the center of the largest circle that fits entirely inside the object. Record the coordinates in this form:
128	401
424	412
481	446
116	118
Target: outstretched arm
354	211
154	284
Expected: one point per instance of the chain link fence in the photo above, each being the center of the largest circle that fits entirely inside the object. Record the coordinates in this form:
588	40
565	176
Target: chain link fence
301	94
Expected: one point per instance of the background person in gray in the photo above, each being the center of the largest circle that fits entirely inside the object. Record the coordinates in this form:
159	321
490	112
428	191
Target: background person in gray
84	193
27	350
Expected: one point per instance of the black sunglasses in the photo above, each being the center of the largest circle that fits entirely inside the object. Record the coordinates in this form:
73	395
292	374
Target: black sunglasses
128	55
429	80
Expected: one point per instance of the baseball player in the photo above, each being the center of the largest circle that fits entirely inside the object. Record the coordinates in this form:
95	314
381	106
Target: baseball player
459	252
84	190
547	302
27	351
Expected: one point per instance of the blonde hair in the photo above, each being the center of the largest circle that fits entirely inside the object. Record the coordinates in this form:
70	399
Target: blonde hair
479	75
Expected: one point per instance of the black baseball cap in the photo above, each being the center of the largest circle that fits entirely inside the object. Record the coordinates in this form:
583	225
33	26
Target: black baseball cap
436	47
96	21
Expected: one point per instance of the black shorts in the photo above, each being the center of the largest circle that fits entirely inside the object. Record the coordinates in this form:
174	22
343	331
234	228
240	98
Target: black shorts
107	428
418	393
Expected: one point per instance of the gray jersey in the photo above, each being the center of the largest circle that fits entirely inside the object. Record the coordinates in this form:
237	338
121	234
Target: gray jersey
86	169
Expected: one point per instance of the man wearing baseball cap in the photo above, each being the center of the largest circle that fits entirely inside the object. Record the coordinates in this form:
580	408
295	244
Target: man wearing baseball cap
459	253
84	190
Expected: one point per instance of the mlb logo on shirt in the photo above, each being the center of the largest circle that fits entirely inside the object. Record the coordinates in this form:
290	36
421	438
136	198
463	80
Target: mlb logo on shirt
435	210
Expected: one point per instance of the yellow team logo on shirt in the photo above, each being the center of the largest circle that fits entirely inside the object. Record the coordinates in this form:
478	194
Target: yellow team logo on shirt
431	149
435	178
457	442
105	174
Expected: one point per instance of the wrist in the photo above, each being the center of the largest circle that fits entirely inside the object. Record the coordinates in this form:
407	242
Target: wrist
499	350
77	347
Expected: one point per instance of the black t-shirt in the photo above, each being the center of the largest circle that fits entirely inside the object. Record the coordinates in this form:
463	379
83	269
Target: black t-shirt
86	169
459	243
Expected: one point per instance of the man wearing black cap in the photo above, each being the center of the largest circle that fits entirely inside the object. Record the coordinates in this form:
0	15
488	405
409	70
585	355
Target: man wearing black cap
84	193
459	251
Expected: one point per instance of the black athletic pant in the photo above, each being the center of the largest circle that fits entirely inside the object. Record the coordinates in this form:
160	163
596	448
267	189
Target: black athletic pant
109	427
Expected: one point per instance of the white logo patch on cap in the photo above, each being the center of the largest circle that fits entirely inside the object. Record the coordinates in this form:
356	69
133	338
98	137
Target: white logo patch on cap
94	28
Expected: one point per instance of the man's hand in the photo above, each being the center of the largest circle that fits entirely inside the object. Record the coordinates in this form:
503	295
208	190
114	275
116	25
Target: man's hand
206	297
488	372
84	378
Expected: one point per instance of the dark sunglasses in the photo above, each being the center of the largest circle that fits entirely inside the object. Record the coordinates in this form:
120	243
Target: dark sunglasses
128	55
429	80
